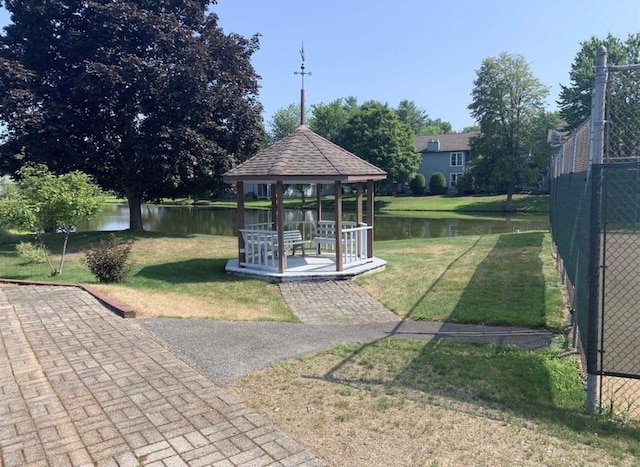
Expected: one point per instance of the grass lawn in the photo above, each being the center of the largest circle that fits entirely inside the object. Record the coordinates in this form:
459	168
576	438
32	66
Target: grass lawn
495	279
407	402
172	275
493	203
402	204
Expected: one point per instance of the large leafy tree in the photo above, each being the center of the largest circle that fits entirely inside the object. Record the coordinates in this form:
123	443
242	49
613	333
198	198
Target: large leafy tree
575	99
329	120
507	102
284	122
147	96
623	116
435	127
470	128
479	174
375	134
542	148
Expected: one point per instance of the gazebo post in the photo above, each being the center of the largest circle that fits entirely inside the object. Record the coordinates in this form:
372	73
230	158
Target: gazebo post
338	197
240	221
274	220
370	218
359	203
359	215
280	228
318	211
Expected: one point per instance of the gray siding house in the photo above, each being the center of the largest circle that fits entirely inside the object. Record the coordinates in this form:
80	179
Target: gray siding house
447	154
257	190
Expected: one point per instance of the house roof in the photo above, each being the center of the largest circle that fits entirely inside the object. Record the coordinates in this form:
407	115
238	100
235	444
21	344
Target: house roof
448	142
304	156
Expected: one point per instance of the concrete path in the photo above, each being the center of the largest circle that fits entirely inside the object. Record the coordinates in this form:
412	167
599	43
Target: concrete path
227	351
81	386
332	312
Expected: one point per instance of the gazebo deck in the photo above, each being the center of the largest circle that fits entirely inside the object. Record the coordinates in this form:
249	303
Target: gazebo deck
307	268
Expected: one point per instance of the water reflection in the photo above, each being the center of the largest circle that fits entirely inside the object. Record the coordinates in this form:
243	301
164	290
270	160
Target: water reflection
216	221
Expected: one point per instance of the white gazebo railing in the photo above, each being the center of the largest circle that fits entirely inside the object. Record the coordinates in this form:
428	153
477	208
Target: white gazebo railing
258	248
261	242
354	242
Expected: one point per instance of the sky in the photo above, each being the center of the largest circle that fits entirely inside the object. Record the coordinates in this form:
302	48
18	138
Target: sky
426	51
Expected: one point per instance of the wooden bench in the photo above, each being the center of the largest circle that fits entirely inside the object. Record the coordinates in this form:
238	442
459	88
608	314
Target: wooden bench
292	240
326	233
325	240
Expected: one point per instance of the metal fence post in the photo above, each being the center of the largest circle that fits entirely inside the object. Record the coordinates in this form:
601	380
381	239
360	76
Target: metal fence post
595	159
596	145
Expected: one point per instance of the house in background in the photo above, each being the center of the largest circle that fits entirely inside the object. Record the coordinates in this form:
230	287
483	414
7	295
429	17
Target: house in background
257	191
263	190
5	181
447	154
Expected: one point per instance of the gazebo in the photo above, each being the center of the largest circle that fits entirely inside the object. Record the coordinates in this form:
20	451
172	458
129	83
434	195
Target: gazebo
339	248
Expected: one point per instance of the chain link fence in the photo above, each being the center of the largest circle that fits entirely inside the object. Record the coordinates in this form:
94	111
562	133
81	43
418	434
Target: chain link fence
595	223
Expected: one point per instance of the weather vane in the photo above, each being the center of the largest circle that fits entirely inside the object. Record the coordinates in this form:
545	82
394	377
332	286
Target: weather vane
302	73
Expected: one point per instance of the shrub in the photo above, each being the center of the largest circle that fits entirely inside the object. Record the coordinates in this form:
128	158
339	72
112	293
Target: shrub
45	202
465	184
31	253
437	184
109	260
417	185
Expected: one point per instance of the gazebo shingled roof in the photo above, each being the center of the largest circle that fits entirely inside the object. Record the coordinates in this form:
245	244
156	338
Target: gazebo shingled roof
304	156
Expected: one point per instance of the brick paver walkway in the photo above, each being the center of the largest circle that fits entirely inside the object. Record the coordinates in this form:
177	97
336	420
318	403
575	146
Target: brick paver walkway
81	386
334	302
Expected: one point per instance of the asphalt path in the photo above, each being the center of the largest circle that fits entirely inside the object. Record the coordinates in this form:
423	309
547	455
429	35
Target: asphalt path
227	351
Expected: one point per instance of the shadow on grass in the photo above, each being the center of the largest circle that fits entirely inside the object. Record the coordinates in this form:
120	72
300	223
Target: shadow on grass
529	204
537	385
189	271
508	286
18	277
484	207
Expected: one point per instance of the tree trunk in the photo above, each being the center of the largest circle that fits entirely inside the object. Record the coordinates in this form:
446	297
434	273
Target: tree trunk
302	194
135	212
510	191
58	272
46	254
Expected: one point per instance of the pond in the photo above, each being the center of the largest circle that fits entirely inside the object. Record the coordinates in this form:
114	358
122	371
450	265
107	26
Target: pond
219	221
